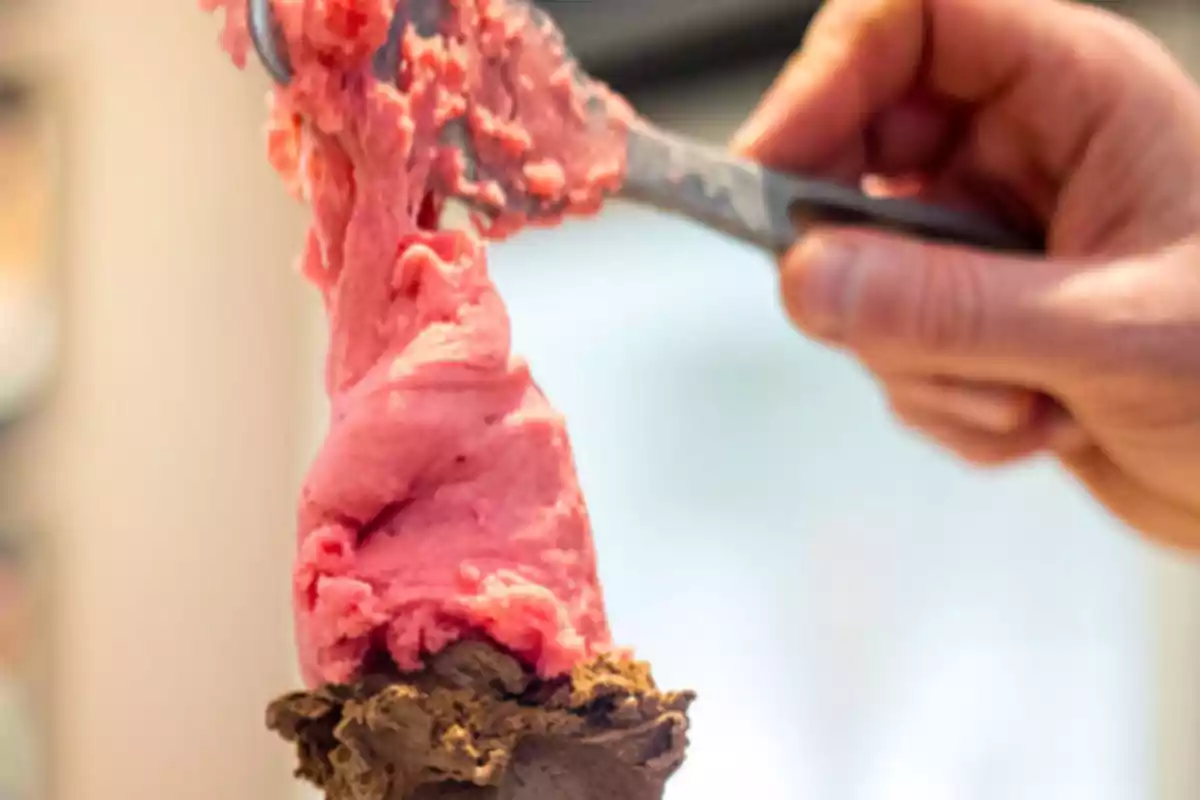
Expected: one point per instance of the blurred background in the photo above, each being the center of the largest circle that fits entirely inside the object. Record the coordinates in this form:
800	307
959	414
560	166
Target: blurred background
863	618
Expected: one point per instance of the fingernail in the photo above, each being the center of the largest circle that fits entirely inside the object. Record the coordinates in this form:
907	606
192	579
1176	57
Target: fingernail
744	139
822	285
755	129
774	103
995	414
995	410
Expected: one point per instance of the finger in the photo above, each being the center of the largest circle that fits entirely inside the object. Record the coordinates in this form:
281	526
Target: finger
996	408
915	137
918	135
1033	421
961	182
988	409
1163	520
975	446
913	307
830	89
1044	60
955	189
846	167
1064	435
909	186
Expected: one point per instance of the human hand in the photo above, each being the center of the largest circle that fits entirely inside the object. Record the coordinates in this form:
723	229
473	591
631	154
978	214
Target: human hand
1036	111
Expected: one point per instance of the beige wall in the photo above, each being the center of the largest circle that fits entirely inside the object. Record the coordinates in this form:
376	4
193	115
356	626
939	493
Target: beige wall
165	469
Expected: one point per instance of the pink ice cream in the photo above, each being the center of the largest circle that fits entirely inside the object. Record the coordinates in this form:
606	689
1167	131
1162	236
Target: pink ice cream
444	502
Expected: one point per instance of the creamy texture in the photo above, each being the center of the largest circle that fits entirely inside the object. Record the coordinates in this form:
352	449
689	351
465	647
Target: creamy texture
444	501
475	725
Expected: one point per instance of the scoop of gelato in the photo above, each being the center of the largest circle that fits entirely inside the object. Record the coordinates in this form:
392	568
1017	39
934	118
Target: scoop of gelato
477	725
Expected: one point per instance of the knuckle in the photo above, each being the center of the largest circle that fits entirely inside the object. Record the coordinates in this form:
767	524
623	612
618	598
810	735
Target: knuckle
928	299
874	302
947	307
1010	417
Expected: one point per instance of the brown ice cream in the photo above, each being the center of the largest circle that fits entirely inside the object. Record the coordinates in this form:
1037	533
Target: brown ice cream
476	725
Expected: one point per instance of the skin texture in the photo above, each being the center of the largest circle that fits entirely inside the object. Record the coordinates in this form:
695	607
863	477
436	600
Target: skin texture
1040	112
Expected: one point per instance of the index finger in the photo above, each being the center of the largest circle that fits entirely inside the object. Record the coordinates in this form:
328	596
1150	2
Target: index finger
862	57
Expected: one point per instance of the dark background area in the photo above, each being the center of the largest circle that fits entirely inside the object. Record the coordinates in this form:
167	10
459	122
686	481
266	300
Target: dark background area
647	45
643	45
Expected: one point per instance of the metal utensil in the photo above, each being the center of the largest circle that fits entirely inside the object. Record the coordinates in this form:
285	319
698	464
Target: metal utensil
709	185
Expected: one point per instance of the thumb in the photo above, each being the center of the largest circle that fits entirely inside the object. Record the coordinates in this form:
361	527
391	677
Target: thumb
930	307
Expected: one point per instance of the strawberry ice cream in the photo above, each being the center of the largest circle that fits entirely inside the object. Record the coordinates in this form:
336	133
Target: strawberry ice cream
444	501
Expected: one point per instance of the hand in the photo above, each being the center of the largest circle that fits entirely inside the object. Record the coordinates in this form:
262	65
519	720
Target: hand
1036	111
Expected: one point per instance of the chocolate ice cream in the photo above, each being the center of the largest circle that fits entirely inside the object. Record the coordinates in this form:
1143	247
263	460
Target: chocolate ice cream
477	725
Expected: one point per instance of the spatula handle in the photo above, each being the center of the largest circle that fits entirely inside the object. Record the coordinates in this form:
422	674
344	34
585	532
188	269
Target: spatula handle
770	209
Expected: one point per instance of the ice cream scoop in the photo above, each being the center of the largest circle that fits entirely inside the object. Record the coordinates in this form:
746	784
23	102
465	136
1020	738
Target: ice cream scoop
510	184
